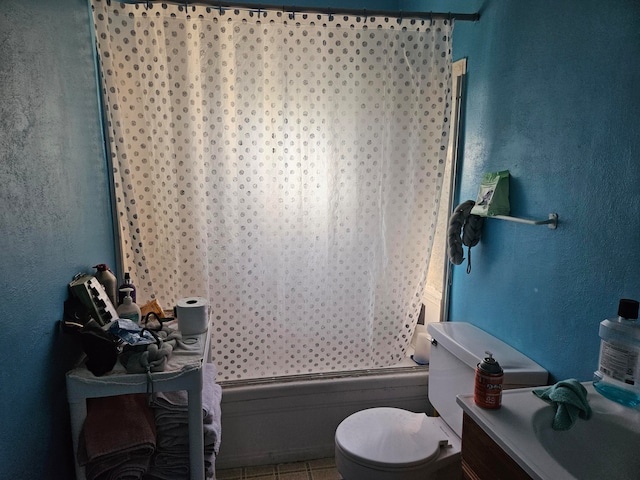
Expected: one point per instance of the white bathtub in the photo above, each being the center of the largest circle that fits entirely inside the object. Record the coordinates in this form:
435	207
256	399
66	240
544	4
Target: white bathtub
294	418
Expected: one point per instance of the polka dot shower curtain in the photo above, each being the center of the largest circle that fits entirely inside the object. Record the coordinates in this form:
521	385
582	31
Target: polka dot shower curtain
287	167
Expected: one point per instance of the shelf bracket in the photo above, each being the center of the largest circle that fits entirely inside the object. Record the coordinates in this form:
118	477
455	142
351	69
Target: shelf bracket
551	222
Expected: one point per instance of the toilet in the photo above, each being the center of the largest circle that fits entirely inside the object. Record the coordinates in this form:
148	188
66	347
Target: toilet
385	443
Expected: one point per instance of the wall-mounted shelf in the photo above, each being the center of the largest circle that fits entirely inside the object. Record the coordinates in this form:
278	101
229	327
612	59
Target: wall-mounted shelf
552	221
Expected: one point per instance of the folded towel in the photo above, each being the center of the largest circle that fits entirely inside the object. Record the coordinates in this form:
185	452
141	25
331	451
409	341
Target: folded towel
117	425
171	412
175	466
178	401
118	437
569	398
125	466
171	459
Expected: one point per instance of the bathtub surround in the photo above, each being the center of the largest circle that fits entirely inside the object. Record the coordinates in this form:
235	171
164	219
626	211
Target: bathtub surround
550	95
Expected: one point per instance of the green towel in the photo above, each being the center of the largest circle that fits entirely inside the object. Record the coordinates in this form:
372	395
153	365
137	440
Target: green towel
569	398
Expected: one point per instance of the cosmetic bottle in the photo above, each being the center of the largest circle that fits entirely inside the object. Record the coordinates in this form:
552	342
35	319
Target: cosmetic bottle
618	374
129	310
126	284
108	280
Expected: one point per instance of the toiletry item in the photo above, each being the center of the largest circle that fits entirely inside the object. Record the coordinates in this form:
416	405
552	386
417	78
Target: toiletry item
129	310
618	374
108	280
127	284
487	392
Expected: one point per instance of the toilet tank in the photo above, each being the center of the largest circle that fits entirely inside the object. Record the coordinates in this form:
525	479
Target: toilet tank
458	349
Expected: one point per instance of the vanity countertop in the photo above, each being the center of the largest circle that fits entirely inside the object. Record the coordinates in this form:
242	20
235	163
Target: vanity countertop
601	447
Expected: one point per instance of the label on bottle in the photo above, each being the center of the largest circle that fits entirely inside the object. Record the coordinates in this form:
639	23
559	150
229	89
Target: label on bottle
487	392
619	362
133	316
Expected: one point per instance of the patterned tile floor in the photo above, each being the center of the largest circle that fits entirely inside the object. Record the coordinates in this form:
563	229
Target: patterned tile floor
321	469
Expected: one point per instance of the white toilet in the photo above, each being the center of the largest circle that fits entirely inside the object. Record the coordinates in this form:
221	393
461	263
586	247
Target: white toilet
393	444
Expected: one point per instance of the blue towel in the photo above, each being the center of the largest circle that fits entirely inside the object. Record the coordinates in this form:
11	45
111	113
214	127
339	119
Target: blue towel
569	398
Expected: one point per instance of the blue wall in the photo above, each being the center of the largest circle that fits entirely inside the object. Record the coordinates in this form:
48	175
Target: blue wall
553	97
550	97
54	222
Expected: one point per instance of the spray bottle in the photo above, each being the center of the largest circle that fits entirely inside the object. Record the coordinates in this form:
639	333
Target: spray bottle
618	374
129	310
487	392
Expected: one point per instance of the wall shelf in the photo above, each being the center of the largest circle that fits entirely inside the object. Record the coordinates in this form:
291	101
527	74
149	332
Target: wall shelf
551	222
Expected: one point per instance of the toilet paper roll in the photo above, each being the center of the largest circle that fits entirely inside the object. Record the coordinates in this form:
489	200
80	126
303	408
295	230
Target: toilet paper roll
423	349
193	315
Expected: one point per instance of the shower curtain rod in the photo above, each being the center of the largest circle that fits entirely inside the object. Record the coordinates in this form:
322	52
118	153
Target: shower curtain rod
258	7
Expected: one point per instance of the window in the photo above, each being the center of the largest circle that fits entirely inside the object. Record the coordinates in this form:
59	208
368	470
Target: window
436	292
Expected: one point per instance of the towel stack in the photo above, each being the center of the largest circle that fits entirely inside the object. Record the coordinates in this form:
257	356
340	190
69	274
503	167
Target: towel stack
171	459
118	438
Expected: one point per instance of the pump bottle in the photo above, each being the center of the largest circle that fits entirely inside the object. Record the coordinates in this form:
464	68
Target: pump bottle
618	374
129	310
126	284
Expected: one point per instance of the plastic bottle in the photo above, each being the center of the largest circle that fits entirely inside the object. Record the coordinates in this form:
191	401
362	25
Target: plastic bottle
126	284
618	374
108	280
129	310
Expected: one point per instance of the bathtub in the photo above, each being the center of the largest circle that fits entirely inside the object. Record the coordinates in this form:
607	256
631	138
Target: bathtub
289	419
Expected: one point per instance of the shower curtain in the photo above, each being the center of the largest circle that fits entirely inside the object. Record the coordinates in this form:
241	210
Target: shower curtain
287	167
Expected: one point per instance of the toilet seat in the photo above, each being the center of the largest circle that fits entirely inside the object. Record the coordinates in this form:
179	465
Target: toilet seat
390	438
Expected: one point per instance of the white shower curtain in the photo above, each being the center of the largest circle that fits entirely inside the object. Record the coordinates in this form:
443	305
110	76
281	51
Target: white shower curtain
287	167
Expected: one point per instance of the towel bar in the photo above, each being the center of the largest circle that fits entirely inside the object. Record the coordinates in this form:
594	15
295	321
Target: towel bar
552	221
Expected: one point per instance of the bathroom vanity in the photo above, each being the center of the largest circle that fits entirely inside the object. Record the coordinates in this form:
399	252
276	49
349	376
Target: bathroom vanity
517	442
483	458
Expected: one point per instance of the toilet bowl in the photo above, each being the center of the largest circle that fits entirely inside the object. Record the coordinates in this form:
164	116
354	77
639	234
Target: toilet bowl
393	444
386	443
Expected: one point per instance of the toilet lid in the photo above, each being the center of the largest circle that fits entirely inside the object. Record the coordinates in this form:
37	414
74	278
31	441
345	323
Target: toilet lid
390	436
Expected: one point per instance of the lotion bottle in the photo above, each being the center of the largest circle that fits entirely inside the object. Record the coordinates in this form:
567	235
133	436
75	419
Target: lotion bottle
128	309
618	374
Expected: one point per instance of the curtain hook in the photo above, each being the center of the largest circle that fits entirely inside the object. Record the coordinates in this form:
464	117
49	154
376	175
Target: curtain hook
221	9
431	19
364	12
292	15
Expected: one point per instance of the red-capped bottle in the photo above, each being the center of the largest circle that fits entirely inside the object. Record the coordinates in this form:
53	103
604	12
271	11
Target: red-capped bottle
488	384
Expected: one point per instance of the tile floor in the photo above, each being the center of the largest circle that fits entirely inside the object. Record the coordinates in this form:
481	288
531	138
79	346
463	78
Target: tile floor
321	469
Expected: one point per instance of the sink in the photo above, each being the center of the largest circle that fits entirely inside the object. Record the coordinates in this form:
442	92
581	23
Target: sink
603	447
